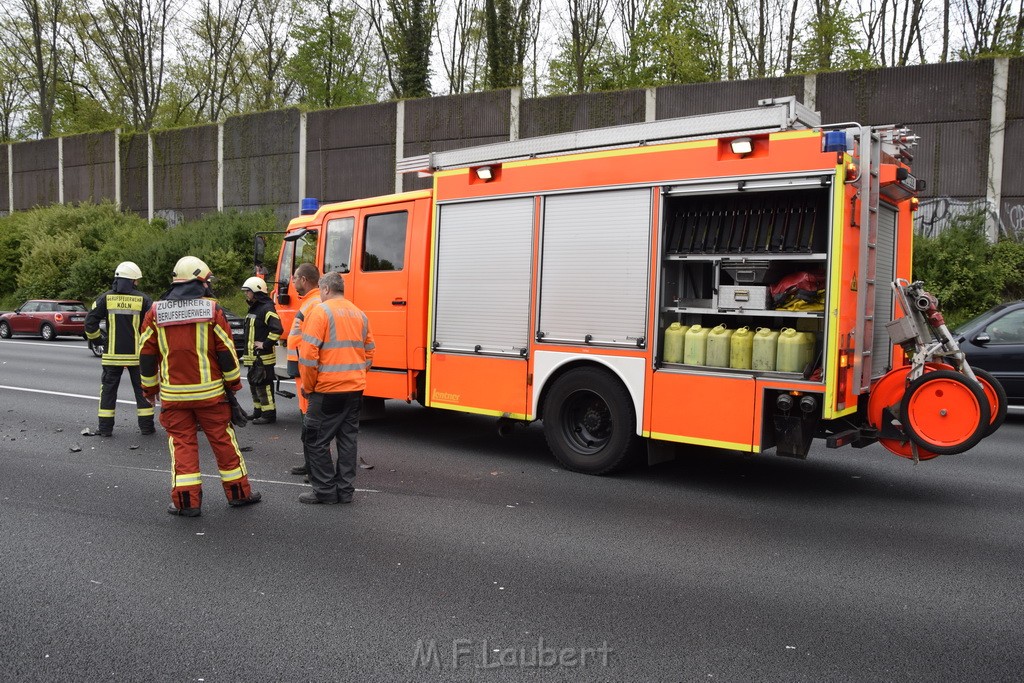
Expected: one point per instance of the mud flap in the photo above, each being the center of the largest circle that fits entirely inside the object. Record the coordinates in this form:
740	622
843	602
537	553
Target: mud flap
794	433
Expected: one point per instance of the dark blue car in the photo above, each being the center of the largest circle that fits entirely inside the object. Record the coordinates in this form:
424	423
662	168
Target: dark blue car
994	341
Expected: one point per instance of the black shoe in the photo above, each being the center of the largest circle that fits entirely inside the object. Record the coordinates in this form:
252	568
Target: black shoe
264	420
252	499
184	512
104	433
310	498
146	431
299	469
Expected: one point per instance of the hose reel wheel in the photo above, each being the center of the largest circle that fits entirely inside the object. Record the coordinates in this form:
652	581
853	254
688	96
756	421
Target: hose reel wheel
945	412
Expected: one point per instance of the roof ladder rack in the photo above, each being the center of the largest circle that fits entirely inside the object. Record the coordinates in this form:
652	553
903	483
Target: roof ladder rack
777	114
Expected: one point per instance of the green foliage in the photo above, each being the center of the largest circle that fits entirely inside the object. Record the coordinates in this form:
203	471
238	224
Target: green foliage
507	24
967	273
408	39
72	251
830	41
335	65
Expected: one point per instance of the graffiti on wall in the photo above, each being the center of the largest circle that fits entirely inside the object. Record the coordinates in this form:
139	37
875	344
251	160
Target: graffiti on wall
937	213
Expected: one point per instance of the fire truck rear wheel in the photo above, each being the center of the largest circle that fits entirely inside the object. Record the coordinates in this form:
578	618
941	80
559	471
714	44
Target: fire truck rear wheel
590	422
945	412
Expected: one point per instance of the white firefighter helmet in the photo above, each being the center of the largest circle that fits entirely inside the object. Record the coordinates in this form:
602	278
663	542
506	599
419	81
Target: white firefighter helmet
255	284
128	270
191	268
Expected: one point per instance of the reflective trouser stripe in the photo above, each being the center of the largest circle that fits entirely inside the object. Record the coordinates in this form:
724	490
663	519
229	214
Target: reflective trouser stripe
107	413
146	412
235	474
188	479
180	423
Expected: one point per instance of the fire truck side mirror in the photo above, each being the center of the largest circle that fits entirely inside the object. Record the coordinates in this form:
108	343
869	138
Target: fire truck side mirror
283	298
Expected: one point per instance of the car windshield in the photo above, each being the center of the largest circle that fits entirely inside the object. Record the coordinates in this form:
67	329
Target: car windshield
76	308
963	327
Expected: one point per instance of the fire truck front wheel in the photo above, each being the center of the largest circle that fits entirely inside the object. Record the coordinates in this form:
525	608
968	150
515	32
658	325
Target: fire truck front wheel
590	422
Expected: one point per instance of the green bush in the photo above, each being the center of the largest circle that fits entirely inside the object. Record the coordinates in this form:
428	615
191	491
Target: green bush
965	271
72	251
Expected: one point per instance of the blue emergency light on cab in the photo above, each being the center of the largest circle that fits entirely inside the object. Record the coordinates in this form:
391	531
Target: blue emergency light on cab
834	141
309	205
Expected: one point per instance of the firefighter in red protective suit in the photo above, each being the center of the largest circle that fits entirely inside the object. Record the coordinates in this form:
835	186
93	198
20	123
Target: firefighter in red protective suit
188	356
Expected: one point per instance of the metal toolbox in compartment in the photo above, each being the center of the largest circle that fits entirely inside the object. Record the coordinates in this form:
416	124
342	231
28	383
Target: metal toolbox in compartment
731	297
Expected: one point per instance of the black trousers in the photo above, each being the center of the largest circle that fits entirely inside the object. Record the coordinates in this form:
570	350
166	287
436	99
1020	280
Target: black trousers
263	396
332	417
108	397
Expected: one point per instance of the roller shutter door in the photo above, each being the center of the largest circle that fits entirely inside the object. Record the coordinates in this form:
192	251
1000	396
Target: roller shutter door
482	283
595	267
885	269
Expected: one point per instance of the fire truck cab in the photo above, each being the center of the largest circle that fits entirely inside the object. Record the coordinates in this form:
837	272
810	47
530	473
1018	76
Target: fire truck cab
722	280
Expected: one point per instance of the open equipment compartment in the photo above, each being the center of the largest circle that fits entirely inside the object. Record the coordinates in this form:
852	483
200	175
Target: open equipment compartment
722	252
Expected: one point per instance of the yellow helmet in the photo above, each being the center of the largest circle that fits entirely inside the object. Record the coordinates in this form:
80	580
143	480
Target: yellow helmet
128	270
191	268
255	284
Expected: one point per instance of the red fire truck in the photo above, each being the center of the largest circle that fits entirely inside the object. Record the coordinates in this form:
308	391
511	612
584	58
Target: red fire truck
737	280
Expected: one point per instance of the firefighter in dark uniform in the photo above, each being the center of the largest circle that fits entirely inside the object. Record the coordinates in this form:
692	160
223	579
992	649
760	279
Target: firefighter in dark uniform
123	307
262	330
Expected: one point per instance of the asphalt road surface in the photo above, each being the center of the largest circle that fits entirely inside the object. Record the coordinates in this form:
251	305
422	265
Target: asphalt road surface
469	557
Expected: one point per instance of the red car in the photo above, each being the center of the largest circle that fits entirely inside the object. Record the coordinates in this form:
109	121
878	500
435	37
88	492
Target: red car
48	318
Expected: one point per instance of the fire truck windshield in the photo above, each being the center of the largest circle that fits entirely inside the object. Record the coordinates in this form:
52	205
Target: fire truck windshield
295	252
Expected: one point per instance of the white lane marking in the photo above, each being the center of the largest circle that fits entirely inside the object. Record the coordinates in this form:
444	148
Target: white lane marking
217	476
49	345
61	393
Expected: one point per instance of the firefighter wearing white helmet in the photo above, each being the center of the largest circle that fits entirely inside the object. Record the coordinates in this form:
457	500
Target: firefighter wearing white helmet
188	359
123	307
262	331
191	268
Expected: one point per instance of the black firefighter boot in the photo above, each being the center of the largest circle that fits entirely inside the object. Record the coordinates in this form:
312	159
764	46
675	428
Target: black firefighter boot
267	417
106	426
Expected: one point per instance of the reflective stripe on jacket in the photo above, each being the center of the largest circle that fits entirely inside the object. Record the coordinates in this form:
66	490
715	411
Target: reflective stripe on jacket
336	348
262	324
189	363
123	313
307	302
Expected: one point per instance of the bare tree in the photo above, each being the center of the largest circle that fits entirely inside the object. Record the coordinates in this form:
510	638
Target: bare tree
461	44
211	47
634	20
269	86
36	38
125	41
791	36
584	31
758	28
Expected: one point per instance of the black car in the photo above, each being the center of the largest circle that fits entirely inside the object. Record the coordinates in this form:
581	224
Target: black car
994	341
237	331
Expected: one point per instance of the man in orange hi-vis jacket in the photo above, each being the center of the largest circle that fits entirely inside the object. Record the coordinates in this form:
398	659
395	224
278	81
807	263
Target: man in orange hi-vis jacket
306	279
335	352
187	355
